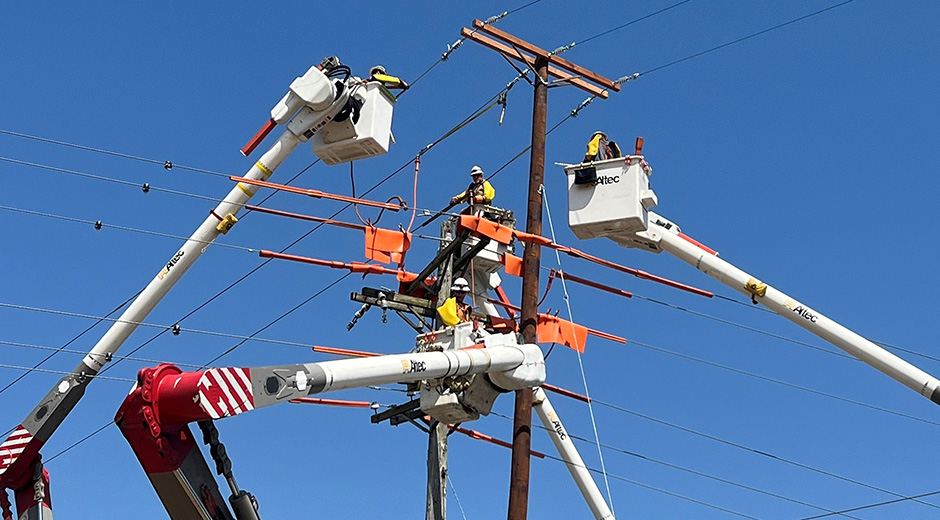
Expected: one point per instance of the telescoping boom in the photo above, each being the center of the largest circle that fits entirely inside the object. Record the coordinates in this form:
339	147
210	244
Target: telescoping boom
346	117
612	198
154	417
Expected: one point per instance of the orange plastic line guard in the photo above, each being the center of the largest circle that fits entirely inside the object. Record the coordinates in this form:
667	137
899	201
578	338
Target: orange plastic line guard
567	393
473	434
343	351
487	228
543	241
698	244
506	305
596	285
317	193
300	216
635	272
355	267
333	402
605	335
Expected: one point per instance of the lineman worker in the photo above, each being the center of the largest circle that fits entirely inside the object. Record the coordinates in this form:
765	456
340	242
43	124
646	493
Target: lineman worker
459	290
480	191
377	73
455	310
599	148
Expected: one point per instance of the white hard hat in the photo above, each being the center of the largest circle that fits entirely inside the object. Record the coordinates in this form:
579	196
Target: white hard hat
377	69
460	285
476	170
599	132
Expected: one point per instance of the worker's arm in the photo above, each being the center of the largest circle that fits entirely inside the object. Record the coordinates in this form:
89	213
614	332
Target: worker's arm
489	193
460	197
390	81
593	147
614	150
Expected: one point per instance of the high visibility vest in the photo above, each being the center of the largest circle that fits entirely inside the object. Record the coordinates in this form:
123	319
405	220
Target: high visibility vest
482	193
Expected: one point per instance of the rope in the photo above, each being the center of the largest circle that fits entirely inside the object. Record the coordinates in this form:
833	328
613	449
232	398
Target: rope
454	489
564	287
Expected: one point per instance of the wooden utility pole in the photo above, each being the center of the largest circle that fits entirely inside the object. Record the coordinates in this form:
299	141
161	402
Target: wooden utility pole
540	62
437	436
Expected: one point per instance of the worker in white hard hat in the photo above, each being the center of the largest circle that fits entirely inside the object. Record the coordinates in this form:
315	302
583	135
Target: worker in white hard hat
599	148
454	310
459	290
480	190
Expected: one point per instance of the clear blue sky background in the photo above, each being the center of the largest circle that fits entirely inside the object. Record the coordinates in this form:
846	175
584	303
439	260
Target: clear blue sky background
807	156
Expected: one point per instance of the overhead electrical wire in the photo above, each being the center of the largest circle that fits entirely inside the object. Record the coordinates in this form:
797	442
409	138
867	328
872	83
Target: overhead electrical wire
658	490
647	72
255	269
879	504
454	46
682	468
243	338
64	346
146	186
762	453
101	225
167	165
748	37
779	382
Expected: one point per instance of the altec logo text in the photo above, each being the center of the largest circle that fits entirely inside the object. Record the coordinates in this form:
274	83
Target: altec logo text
603	179
169	265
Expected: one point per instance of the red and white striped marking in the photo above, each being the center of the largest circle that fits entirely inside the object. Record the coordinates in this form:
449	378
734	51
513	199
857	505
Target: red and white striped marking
11	448
224	392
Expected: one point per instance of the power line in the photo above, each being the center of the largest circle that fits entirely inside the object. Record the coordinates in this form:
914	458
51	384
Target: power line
252	271
82	352
101	225
656	489
748	37
783	383
108	179
63	347
742	447
879	504
62	372
454	46
679	468
168	165
628	24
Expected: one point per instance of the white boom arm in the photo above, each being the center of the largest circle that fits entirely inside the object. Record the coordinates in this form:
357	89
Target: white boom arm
569	453
793	310
155	415
315	101
612	198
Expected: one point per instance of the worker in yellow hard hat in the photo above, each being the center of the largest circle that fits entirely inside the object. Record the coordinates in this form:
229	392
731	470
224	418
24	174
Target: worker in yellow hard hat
480	190
599	148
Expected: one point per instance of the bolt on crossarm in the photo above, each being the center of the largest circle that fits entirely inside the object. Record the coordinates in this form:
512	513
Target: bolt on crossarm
312	105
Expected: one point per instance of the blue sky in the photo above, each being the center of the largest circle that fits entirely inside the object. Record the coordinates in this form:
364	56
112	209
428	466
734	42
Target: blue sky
806	156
